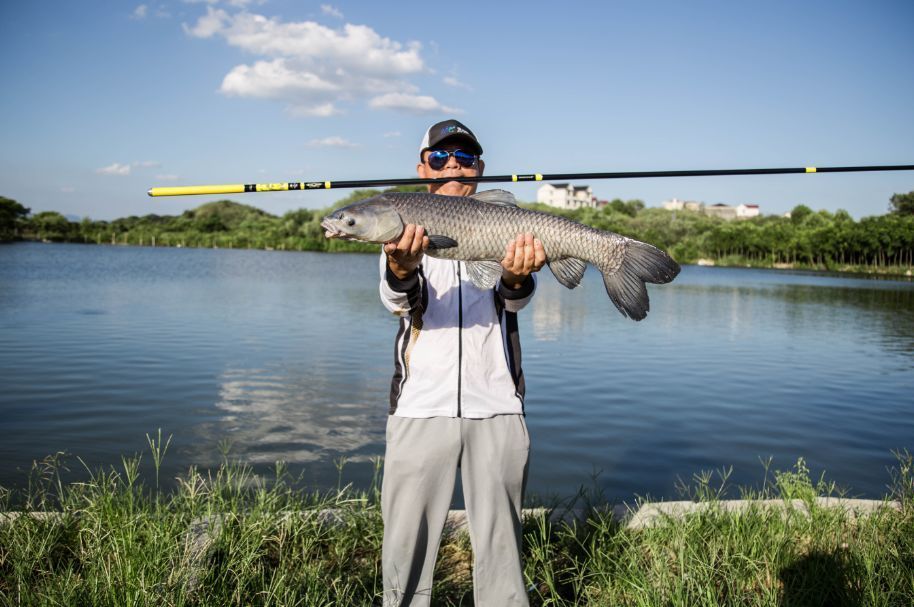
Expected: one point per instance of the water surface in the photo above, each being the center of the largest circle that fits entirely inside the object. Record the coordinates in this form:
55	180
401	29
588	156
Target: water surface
288	356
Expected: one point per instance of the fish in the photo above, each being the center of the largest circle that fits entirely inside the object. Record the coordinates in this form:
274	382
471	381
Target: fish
476	229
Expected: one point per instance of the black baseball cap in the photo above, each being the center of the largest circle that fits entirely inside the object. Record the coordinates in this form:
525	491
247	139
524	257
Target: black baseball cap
449	129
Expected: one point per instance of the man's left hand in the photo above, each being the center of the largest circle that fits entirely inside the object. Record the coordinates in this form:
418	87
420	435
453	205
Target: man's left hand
523	256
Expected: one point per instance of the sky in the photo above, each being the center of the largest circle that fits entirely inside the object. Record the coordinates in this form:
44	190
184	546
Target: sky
102	100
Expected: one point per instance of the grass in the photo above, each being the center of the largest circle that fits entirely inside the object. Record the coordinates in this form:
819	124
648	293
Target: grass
119	541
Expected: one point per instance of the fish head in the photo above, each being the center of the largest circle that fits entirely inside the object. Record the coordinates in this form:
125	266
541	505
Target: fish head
372	220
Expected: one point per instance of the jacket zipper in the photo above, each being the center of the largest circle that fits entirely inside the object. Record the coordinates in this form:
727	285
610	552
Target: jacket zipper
459	337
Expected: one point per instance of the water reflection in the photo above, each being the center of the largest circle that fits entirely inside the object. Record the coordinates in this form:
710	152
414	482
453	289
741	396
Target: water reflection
289	356
556	311
300	416
881	311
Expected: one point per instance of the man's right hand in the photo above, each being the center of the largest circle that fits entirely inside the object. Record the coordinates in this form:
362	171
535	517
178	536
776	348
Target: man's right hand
404	256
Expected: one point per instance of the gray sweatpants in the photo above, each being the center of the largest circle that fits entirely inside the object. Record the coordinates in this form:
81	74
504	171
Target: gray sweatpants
420	466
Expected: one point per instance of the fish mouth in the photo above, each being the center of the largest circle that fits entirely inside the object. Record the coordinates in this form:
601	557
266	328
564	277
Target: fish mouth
332	231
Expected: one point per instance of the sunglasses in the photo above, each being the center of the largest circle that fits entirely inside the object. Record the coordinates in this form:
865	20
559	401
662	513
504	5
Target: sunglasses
438	158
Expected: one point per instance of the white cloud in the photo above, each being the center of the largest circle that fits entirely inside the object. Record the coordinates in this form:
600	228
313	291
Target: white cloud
413	104
235	3
139	12
316	69
331	11
353	48
321	111
168	177
274	79
147	164
452	81
66	189
212	22
332	142
114	169
390	134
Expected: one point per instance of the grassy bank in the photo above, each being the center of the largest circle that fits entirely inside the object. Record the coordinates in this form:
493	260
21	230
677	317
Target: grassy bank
739	261
119	541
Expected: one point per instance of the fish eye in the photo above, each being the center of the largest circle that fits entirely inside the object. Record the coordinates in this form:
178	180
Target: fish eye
350	221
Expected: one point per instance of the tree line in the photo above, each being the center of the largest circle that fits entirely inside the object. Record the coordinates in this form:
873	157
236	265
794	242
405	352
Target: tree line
807	238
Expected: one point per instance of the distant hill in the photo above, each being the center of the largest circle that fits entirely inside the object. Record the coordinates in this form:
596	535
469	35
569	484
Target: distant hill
227	213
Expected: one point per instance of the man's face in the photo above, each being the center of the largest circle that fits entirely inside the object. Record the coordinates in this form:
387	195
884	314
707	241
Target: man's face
451	169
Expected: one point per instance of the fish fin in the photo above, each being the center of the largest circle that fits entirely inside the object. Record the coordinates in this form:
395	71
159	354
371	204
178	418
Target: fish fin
437	241
568	271
484	274
641	263
500	197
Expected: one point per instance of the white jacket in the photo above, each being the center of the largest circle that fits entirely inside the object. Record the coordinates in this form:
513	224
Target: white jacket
458	349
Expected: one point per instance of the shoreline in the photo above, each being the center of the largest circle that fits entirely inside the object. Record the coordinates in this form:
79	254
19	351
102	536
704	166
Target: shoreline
223	538
902	273
219	541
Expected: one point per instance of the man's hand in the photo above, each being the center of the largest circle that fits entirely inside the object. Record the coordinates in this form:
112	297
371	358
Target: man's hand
523	256
404	256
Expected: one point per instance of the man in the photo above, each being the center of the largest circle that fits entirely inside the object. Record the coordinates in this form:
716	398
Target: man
456	397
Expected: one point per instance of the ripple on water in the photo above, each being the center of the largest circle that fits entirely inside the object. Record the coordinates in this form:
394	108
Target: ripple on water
289	356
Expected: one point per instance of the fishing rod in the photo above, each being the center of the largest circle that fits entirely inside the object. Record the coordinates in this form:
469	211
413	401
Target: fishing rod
241	188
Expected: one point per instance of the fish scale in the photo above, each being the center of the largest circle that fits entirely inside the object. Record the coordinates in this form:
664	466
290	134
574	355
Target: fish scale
477	229
483	230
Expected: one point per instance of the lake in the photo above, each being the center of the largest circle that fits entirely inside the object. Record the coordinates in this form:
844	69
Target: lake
288	356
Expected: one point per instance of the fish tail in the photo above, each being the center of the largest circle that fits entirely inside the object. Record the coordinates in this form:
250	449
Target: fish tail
625	281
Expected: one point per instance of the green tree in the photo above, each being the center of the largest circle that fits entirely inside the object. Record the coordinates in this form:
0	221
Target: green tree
210	223
50	225
799	214
630	207
11	216
903	204
811	238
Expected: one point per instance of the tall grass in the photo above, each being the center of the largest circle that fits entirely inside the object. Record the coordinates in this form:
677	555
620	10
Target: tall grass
229	537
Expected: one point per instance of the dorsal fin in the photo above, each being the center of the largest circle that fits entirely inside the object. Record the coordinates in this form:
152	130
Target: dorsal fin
500	197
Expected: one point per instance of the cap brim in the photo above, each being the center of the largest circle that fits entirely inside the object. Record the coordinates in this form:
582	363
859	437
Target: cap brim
471	143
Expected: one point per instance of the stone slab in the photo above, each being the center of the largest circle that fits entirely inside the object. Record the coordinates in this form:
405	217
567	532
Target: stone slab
650	514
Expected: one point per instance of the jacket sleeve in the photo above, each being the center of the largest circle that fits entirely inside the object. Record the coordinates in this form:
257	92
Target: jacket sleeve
516	299
401	297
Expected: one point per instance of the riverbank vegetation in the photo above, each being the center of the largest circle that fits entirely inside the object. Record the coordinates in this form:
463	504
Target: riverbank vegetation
807	239
229	537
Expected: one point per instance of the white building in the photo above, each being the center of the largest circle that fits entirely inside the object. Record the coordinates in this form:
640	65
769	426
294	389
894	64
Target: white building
679	205
745	211
566	196
724	211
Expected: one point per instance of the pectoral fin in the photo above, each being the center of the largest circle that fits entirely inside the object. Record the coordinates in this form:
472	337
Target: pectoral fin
437	241
484	274
499	197
568	271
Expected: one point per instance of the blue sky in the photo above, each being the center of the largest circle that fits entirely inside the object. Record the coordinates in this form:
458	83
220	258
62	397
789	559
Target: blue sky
102	100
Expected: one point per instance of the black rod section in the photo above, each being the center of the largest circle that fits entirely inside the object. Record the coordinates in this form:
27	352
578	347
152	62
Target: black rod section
621	175
518	178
